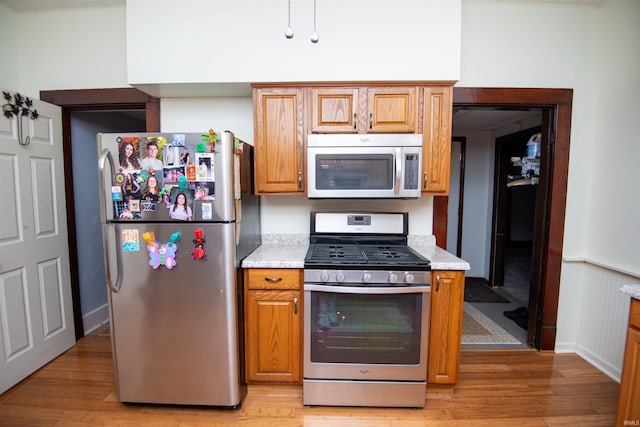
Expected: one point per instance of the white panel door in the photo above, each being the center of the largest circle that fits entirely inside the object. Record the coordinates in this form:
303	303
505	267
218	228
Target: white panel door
36	314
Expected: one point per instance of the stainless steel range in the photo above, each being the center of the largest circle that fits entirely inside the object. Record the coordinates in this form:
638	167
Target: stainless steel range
366	316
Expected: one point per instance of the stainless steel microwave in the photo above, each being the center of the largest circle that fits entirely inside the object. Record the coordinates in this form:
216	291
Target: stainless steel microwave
364	165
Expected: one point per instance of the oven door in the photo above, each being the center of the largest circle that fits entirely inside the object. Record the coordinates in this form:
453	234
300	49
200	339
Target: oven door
366	333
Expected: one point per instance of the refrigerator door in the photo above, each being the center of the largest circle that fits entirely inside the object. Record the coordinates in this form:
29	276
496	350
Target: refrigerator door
179	162
174	320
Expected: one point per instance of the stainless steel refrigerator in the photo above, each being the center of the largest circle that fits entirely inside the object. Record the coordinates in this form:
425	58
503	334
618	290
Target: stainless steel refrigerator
175	291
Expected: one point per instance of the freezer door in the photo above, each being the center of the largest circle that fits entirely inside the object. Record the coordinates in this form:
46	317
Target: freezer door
174	318
131	164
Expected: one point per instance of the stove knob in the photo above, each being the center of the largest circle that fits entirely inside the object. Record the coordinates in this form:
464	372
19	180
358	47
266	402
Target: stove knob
366	277
340	277
324	276
408	277
393	277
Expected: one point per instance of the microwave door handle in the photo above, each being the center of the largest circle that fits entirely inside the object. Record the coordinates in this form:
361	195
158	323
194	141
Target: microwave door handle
398	174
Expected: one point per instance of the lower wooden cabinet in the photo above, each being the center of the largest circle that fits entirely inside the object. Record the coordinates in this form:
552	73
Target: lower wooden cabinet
629	397
273	325
445	334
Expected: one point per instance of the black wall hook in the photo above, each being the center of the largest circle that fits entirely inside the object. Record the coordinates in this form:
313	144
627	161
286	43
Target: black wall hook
19	106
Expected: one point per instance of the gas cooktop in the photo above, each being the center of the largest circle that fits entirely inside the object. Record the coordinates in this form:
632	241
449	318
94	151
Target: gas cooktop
354	255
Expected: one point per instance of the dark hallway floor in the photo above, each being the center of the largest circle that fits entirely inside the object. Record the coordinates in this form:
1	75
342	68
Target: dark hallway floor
516	289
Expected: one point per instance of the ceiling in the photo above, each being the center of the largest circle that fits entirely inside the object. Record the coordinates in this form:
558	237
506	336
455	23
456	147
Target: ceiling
490	119
31	5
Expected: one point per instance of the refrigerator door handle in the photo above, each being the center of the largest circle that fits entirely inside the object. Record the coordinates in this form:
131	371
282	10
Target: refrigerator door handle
104	157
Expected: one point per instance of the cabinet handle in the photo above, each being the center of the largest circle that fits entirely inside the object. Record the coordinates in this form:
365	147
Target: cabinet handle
437	282
424	181
300	180
355	121
295	306
370	120
273	279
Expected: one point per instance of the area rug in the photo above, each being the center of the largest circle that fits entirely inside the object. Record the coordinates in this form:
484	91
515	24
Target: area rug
479	329
476	291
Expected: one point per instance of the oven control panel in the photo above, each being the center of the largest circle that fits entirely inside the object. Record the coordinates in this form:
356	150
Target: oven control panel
365	277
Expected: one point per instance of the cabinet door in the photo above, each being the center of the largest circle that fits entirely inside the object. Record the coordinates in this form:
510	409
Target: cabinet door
273	336
279	140
436	151
334	110
391	109
447	303
629	398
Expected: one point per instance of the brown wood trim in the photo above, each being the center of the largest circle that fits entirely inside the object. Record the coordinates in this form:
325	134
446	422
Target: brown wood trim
90	99
560	103
440	218
500	97
463	160
558	200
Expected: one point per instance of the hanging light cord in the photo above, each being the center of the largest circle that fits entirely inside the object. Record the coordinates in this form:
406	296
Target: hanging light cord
314	37
289	32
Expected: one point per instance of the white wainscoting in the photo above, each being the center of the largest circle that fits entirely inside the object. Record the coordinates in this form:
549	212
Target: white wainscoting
594	314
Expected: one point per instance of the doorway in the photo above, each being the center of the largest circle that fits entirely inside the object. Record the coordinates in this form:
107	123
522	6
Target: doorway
555	105
107	109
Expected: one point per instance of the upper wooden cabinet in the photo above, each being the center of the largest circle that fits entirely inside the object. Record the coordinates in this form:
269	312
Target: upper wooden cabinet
364	109
436	149
284	114
279	140
334	110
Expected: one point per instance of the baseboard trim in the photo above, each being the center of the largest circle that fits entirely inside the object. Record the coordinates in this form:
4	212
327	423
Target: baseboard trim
95	318
601	364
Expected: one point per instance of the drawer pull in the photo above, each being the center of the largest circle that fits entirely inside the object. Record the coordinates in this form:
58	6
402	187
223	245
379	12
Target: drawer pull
273	279
295	306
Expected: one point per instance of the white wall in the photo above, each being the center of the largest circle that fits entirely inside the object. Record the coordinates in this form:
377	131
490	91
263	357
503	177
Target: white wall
8	48
478	196
201	114
70	49
195	41
613	181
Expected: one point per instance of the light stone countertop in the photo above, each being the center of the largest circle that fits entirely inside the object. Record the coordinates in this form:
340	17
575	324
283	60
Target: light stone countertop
632	290
288	251
279	251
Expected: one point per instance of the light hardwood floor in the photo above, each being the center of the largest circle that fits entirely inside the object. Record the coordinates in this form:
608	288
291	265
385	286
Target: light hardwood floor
495	388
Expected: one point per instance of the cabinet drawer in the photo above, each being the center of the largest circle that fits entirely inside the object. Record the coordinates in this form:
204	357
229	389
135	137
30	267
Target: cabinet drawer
634	313
274	278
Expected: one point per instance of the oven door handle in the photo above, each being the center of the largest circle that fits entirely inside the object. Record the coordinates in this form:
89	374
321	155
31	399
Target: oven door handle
368	290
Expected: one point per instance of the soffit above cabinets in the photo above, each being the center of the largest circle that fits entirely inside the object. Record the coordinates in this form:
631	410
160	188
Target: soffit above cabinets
359	41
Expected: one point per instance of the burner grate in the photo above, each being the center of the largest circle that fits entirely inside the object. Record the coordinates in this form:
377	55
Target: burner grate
336	254
370	255
389	254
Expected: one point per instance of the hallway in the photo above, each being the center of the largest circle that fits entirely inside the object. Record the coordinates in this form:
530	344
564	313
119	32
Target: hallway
516	290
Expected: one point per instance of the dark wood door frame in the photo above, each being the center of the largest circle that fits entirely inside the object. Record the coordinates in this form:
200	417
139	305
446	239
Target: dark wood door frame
557	106
92	100
463	155
500	227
